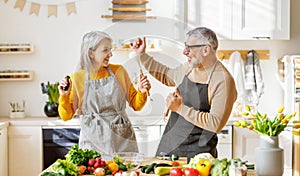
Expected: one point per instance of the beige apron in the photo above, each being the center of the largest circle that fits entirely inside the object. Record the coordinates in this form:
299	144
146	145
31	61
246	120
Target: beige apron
105	126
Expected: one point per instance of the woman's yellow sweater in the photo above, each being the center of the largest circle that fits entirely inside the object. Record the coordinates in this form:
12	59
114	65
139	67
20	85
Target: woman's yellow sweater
71	103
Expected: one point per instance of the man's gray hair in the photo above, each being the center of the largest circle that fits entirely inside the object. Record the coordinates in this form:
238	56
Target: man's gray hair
205	35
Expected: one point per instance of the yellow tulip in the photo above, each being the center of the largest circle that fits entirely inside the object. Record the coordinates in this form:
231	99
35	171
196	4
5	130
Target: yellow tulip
281	109
280	116
296	132
247	107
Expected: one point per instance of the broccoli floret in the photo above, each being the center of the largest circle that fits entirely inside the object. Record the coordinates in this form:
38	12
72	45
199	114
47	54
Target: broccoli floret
220	167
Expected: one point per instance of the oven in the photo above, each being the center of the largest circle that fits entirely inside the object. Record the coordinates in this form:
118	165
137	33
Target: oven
57	141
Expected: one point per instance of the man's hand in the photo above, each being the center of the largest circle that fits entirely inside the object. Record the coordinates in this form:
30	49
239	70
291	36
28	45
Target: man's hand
139	45
174	100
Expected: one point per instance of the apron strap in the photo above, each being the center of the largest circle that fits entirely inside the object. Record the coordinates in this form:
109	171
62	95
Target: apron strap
213	69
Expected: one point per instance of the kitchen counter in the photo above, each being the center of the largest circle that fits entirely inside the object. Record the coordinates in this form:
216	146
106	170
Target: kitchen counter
3	125
56	121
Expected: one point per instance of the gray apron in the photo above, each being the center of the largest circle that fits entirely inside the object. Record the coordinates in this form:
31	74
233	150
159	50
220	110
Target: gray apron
105	126
182	137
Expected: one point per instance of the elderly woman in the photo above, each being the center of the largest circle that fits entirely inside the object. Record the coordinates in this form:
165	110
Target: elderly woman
97	92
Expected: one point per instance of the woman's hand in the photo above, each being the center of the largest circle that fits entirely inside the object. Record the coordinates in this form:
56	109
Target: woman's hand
63	84
139	45
174	100
144	85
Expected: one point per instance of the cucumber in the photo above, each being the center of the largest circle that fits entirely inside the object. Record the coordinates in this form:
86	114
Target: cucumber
150	168
162	170
144	168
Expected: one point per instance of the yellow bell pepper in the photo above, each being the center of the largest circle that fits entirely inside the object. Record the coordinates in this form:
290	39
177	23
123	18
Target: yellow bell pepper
203	167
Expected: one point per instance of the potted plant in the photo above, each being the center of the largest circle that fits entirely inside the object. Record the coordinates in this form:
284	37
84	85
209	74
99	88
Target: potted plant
18	109
51	107
268	128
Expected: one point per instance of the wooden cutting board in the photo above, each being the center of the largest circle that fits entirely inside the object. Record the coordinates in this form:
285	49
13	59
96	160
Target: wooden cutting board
129	9
127	2
128	16
149	160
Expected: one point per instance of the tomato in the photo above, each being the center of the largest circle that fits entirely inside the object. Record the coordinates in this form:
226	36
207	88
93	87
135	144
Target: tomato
190	172
176	172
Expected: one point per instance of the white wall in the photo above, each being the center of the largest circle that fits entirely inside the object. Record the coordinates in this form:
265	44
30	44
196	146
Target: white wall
57	45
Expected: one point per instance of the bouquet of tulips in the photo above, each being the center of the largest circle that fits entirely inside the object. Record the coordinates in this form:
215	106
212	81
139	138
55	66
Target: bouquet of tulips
262	124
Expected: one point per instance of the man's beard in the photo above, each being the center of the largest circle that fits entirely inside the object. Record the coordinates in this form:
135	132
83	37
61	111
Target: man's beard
195	62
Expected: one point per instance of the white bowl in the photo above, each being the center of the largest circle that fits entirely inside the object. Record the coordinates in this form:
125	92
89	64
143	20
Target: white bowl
132	158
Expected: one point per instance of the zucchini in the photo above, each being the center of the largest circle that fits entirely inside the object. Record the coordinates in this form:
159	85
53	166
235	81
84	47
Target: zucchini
162	165
162	170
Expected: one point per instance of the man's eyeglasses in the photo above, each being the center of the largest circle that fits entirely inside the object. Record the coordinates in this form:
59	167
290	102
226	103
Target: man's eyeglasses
188	47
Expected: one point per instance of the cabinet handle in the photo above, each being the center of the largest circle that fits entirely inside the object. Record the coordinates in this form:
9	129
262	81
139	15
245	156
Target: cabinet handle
262	38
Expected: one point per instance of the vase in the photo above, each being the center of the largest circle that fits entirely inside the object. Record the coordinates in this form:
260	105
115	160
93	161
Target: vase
269	158
51	109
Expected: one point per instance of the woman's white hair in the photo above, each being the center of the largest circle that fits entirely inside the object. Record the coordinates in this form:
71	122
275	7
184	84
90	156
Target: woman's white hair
90	42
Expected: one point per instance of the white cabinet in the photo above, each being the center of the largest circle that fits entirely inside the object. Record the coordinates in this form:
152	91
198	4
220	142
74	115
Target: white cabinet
267	19
25	150
148	138
242	19
224	145
214	14
3	151
245	142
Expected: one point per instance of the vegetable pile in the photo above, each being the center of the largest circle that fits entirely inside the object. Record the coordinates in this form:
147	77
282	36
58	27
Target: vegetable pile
84	161
203	164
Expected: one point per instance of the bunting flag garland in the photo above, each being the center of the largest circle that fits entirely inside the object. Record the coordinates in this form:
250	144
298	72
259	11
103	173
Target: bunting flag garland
35	6
52	10
20	4
71	8
34	9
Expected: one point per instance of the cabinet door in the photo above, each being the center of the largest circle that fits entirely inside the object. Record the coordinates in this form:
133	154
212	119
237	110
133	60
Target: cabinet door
214	14
25	150
267	19
3	152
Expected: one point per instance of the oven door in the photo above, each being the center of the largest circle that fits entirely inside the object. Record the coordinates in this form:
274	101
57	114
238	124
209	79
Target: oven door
57	141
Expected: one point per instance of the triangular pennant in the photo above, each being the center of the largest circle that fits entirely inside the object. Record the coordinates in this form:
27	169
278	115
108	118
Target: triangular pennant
34	9
52	10
20	4
71	8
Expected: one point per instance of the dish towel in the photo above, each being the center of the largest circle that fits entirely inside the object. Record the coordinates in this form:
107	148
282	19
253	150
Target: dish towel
235	66
253	78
